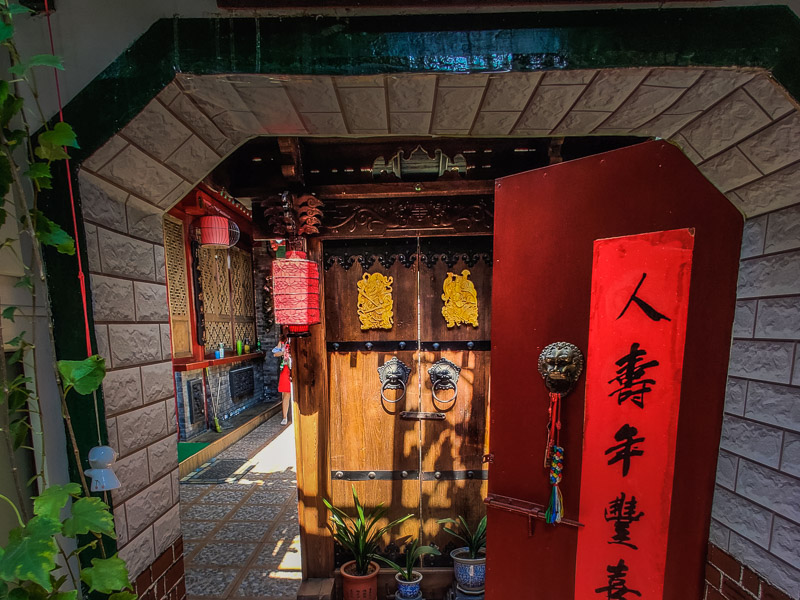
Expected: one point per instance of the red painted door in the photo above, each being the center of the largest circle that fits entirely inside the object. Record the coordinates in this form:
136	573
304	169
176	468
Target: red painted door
546	222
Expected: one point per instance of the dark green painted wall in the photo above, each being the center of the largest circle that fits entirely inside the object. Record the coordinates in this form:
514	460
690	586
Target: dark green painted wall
766	37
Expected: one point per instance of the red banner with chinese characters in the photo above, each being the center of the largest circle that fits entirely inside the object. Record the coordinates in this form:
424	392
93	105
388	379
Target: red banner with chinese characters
637	331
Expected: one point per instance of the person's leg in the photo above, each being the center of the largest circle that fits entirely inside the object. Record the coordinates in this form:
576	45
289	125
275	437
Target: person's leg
285	400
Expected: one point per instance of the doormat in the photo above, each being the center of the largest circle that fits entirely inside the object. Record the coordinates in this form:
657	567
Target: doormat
225	470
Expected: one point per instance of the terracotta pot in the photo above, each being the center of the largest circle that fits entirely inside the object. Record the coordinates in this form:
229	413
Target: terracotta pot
470	572
360	587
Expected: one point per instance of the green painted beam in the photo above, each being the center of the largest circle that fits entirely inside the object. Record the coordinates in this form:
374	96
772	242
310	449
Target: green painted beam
761	36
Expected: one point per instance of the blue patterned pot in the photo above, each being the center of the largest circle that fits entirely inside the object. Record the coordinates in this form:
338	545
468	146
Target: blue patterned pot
408	590
470	572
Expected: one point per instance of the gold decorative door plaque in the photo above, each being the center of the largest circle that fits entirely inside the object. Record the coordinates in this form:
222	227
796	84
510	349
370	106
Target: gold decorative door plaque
460	300
375	302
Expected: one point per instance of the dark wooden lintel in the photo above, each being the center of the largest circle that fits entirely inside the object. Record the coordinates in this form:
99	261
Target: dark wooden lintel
366	191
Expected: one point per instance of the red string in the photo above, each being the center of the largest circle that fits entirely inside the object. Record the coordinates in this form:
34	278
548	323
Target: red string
81	278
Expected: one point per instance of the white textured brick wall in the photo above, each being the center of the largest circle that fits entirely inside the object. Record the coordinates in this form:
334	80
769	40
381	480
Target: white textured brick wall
739	127
756	514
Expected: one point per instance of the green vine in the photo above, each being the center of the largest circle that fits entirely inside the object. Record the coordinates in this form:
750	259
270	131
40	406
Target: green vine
34	564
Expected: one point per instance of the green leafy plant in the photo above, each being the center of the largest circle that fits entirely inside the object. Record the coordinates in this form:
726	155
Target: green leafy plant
474	539
360	535
414	553
34	563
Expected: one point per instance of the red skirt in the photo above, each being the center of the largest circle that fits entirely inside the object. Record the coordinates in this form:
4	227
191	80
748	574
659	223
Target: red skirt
285	380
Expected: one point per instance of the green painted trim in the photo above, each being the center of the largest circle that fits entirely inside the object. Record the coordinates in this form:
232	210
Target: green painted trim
758	36
68	333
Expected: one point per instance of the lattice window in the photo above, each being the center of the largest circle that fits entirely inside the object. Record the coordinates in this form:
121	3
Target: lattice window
178	287
246	331
242	283
228	300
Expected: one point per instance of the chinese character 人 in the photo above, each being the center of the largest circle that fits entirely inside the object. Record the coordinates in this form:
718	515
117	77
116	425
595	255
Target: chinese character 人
626	449
647	309
631	377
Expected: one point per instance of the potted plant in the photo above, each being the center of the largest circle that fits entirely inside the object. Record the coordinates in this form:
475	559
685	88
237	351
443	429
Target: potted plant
469	562
360	535
409	580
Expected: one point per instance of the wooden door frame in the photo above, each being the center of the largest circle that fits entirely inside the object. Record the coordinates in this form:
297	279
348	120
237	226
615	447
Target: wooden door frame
310	378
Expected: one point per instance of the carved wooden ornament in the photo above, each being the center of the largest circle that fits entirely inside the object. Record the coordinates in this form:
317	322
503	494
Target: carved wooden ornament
460	300
375	302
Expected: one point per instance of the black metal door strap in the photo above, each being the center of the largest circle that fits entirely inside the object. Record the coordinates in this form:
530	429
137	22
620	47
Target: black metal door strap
410	345
480	474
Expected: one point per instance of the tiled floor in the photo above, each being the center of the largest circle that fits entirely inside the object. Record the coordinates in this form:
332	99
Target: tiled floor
241	539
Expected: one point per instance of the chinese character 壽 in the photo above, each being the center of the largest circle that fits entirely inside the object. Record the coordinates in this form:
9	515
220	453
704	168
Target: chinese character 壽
630	376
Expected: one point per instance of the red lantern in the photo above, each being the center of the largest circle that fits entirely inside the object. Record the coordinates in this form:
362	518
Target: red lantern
295	283
217	231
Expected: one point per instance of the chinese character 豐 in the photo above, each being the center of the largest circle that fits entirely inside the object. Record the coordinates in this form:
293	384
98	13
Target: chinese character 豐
622	513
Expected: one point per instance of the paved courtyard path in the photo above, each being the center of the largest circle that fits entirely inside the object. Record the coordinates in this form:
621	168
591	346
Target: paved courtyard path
242	540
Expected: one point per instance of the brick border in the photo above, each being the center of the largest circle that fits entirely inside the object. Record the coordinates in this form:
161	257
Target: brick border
164	579
728	579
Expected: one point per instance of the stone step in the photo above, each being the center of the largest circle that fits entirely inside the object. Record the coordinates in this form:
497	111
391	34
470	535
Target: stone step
316	589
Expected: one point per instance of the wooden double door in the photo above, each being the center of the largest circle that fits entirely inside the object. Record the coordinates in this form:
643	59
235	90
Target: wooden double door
417	447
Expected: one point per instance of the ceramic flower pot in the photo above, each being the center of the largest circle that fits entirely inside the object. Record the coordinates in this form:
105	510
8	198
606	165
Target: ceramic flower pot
359	587
470	572
408	590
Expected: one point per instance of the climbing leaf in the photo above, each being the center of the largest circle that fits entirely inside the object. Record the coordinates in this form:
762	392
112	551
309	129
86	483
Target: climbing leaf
30	552
39	173
106	575
6	31
54	497
60	135
8	313
50	234
6	176
16	9
84	375
123	596
11	106
38	60
89	514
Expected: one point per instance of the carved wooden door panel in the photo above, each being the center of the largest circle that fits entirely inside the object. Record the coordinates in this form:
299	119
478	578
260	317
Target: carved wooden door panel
453	477
422	454
372	449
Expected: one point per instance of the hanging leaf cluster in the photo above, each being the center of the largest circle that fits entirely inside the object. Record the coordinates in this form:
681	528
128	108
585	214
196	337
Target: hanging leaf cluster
34	563
28	568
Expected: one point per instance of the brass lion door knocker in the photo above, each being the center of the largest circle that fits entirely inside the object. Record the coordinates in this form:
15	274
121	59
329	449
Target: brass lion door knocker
560	365
394	376
444	376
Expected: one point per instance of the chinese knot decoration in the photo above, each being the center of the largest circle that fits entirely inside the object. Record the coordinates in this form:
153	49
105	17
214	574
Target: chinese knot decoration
560	365
295	281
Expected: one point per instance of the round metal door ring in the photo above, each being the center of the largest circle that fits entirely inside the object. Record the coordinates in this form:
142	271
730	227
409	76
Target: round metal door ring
391	384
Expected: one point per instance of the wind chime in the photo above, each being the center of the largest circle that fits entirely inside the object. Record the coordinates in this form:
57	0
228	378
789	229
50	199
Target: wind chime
560	365
295	279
